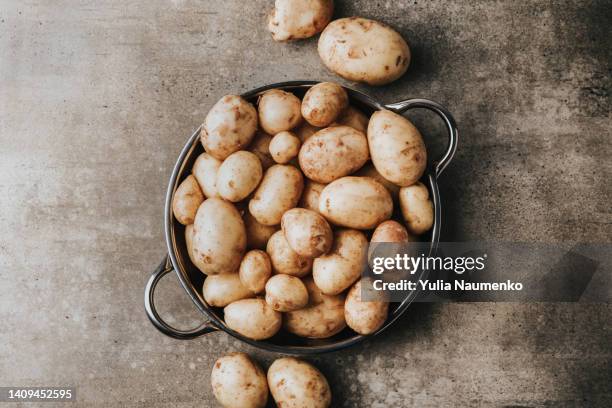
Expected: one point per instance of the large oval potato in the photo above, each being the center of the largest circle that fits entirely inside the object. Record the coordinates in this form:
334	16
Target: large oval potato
228	127
239	175
310	196
417	208
397	148
205	170
257	234
354	118
307	232
255	270
284	259
285	293
356	202
297	19
323	103
279	191
189	244
297	384
261	148
284	147
332	153
364	317
278	111
221	290
186	200
370	171
238	382
253	318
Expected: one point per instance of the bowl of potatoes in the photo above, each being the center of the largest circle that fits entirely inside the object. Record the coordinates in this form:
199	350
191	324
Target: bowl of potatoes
272	205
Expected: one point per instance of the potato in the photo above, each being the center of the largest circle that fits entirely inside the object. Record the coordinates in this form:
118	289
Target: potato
220	237
257	234
278	111
310	196
297	19
397	148
363	50
255	270
189	244
252	318
238	382
284	147
228	127
354	118
321	318
323	103
285	293
297	384
221	290
279	191
261	148
364	317
370	171
205	171
417	208
391	231
332	153
305	131
342	266
355	202
186	200
239	175
307	232
286	260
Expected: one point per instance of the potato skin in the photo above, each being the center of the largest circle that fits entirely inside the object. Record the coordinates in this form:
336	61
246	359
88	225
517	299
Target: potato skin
354	118
285	293
255	270
307	232
253	318
297	384
279	191
363	50
305	131
310	196
370	171
261	148
284	259
364	317
278	111
397	148
221	290
189	244
238	176
323	103
298	19
238	382
390	231
417	208
257	234
284	147
205	170
186	200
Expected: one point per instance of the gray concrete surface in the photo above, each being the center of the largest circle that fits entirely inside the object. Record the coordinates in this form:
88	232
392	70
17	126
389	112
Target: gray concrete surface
97	98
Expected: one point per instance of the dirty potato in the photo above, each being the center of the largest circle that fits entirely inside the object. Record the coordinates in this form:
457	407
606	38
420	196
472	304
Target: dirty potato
255	270
361	316
261	148
285	293
253	318
186	200
307	232
284	259
279	191
354	118
257	234
417	208
205	170
238	382
279	111
221	290
310	196
323	103
297	384
298	19
284	147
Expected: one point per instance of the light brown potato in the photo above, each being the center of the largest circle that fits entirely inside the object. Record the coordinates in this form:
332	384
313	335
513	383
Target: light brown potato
278	111
342	266
354	118
285	293
391	231
257	234
397	148
297	384
221	290
284	147
261	148
286	260
305	131
255	270
205	171
189	244
310	196
238	382
307	232
332	153
370	171
220	237
253	318
186	200
228	127
323	103
298	19
363	50
364	317
239	175
417	208
356	202
279	191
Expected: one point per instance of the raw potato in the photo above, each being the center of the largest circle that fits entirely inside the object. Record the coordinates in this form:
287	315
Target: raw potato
356	202
305	131
186	200
261	148
238	382
279	191
310	196
252	318
205	171
257	234
189	244
285	293
417	208
391	231
354	118
297	19
255	270
342	266
323	103
397	148
278	111
228	127
221	290
239	175
370	171
307	232
364	317
297	384
363	50
220	237
332	153
286	260
284	147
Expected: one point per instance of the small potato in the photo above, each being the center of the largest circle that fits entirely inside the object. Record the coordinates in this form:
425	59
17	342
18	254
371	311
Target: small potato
356	202
417	208
297	384
310	196
257	234
286	260
279	191
186	200
354	118
307	232
364	317
323	103
261	148
228	127
285	293
305	130
278	111
370	171
332	153
221	290
298	19
239	175
255	270
284	147
189	244
205	171
391	231
253	318
238	382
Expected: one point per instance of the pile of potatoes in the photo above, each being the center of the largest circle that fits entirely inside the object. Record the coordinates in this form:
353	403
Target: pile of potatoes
281	207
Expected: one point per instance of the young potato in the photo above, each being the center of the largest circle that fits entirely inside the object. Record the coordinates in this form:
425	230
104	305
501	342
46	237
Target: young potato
307	232
255	270
239	175
391	231
364	317
253	318
238	382
261	148
285	293
221	290
297	384
189	244
356	202
370	171
332	153
305	131
417	208
186	200
284	147
364	50
354	118
278	111
220	237
205	171
342	266
310	196
298	19
257	234
323	103
228	127
279	191
397	148
284	259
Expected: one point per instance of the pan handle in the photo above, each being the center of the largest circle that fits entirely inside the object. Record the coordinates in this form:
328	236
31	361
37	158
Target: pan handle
449	121
162	270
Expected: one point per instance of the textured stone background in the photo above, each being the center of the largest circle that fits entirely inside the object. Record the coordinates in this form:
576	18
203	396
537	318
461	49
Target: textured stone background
97	98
